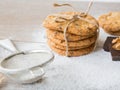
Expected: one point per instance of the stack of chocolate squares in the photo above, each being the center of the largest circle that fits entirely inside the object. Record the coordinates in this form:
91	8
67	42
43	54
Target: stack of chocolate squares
81	34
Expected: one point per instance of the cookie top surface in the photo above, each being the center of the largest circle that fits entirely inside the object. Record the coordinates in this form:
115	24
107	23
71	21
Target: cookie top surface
86	25
110	21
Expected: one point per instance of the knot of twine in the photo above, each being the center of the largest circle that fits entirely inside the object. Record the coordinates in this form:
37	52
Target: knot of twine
60	19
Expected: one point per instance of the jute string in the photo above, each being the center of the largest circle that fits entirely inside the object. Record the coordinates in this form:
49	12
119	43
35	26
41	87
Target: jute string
61	18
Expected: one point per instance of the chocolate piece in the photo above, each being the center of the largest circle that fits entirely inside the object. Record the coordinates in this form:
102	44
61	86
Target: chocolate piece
115	54
107	43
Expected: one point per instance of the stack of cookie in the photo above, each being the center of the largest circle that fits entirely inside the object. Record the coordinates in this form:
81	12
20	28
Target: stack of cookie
81	34
110	23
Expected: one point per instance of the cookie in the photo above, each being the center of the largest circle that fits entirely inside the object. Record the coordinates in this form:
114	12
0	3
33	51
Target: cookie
63	47
81	43
73	53
70	37
117	33
110	22
78	27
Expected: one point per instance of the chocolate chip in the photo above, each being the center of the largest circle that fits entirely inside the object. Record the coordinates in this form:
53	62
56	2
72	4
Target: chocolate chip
60	28
76	24
62	41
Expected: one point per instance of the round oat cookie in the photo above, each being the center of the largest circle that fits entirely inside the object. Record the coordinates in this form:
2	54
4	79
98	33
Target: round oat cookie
73	53
117	33
80	43
110	22
64	47
70	37
78	27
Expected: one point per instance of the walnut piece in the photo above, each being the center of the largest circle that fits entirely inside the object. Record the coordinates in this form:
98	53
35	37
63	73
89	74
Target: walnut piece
116	43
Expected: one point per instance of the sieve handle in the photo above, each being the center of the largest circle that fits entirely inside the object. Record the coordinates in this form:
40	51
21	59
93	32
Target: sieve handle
8	45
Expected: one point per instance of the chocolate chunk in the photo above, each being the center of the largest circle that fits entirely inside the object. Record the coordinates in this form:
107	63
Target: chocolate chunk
107	43
115	54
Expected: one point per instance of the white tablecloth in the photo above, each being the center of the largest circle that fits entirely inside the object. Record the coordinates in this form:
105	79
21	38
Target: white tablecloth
95	71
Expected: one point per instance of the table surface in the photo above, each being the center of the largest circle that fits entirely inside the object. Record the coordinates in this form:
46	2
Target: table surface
21	20
95	0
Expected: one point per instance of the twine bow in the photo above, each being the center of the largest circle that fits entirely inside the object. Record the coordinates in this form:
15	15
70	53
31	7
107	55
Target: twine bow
62	18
